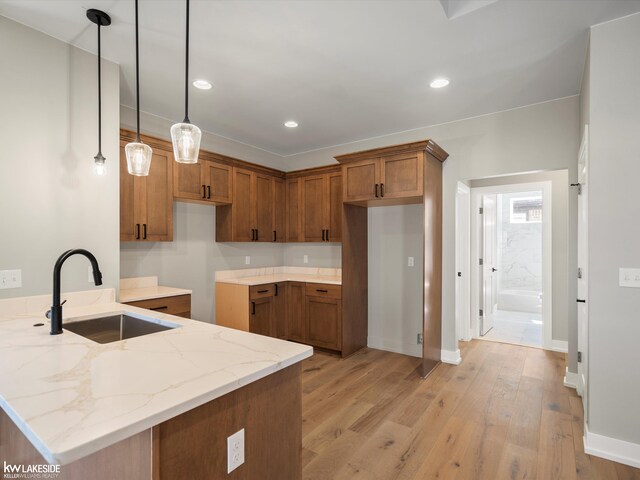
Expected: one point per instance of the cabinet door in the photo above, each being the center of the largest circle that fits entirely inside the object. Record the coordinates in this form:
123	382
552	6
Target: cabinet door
263	206
128	226
279	207
334	207
243	194
279	323
401	175
218	182
260	315
189	181
296	318
157	223
324	322
313	209
294	210
360	179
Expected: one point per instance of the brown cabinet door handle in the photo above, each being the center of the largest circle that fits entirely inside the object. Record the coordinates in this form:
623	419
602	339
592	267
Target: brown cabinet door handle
137	231
208	191
164	307
253	308
382	189
377	191
144	229
322	290
204	191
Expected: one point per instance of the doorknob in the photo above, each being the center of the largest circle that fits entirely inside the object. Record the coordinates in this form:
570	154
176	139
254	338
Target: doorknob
459	274
581	301
494	269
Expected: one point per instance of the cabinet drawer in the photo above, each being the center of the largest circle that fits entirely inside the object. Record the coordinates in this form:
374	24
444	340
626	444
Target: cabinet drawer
177	305
323	290
260	291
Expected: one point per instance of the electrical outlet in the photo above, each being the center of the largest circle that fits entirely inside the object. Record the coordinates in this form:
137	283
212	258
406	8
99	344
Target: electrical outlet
410	262
235	450
247	260
305	259
629	277
419	339
10	279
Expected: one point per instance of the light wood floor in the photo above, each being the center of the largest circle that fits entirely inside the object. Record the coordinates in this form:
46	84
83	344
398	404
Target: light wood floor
502	414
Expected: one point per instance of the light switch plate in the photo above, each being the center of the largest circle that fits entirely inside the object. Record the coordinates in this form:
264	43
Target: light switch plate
10	279
235	450
305	259
630	277
410	262
247	260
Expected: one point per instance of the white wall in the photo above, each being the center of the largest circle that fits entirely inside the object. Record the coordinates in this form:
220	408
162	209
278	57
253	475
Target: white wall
614	229
534	138
51	199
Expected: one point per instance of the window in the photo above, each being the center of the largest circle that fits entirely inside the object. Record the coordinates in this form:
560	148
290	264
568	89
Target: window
526	209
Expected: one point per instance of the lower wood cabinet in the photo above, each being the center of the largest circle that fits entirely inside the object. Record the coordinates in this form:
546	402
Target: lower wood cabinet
308	313
179	305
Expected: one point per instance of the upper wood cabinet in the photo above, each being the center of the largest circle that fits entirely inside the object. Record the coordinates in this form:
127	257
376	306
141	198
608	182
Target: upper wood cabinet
206	181
254	215
146	203
315	208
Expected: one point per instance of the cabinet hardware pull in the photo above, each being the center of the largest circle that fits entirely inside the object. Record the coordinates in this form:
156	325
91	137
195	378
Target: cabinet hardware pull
257	234
253	308
327	237
164	307
323	234
204	191
276	285
263	291
144	229
208	191
322	290
382	189
377	191
137	231
253	234
274	235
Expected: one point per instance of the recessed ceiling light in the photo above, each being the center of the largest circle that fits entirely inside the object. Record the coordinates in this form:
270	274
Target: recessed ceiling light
291	124
439	83
202	84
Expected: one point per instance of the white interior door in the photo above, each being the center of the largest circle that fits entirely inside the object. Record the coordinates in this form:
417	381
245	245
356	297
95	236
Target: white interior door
583	273
489	262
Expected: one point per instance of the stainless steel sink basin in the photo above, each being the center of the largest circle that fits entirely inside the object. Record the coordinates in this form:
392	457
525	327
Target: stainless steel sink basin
116	327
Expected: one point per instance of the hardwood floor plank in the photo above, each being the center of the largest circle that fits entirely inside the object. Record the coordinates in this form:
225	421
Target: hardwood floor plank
556	458
517	463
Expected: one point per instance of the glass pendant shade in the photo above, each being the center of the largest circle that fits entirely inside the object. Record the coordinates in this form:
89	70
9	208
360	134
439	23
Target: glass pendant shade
138	158
100	164
186	142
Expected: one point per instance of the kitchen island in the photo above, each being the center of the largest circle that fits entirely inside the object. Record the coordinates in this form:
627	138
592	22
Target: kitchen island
155	406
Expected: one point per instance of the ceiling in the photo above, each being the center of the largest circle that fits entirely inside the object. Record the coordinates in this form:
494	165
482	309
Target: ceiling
344	70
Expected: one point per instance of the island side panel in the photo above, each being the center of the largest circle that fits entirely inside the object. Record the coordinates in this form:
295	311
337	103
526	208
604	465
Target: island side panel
129	459
232	306
194	444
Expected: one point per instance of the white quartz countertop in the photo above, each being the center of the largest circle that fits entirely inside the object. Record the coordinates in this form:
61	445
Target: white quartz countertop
283	277
72	397
146	288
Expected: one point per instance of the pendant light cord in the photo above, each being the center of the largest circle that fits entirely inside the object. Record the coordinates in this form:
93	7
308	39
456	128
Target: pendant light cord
137	81
99	97
186	74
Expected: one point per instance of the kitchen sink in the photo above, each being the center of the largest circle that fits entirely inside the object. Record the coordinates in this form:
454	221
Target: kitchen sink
117	326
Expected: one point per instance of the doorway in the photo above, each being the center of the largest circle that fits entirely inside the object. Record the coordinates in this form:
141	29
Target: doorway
511	264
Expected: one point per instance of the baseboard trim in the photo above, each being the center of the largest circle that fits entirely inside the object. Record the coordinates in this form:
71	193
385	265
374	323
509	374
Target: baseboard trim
450	356
559	346
611	448
395	346
571	379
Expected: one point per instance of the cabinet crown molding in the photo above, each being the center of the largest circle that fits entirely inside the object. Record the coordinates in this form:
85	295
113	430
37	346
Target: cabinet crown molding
428	145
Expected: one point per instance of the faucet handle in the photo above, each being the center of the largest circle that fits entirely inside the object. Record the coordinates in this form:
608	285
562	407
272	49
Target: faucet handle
48	314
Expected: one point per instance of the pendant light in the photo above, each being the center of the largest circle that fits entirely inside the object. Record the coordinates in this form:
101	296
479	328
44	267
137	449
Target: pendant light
138	154
185	136
102	20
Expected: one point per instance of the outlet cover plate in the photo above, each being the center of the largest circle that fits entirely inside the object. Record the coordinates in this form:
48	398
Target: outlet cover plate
630	277
10	279
235	450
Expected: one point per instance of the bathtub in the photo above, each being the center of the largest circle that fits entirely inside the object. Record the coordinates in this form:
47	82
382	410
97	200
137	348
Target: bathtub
520	301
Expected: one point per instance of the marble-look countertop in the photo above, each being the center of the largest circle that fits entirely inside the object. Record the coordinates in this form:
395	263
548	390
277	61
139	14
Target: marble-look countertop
260	276
146	288
72	397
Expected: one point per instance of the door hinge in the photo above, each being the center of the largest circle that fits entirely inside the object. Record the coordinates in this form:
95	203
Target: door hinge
579	185
579	357
579	272
481	313
419	339
481	210
481	261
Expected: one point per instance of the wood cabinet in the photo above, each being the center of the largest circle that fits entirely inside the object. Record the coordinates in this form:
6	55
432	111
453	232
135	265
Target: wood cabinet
254	215
315	207
386	176
279	321
179	305
296	319
203	182
146	203
323	310
267	309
